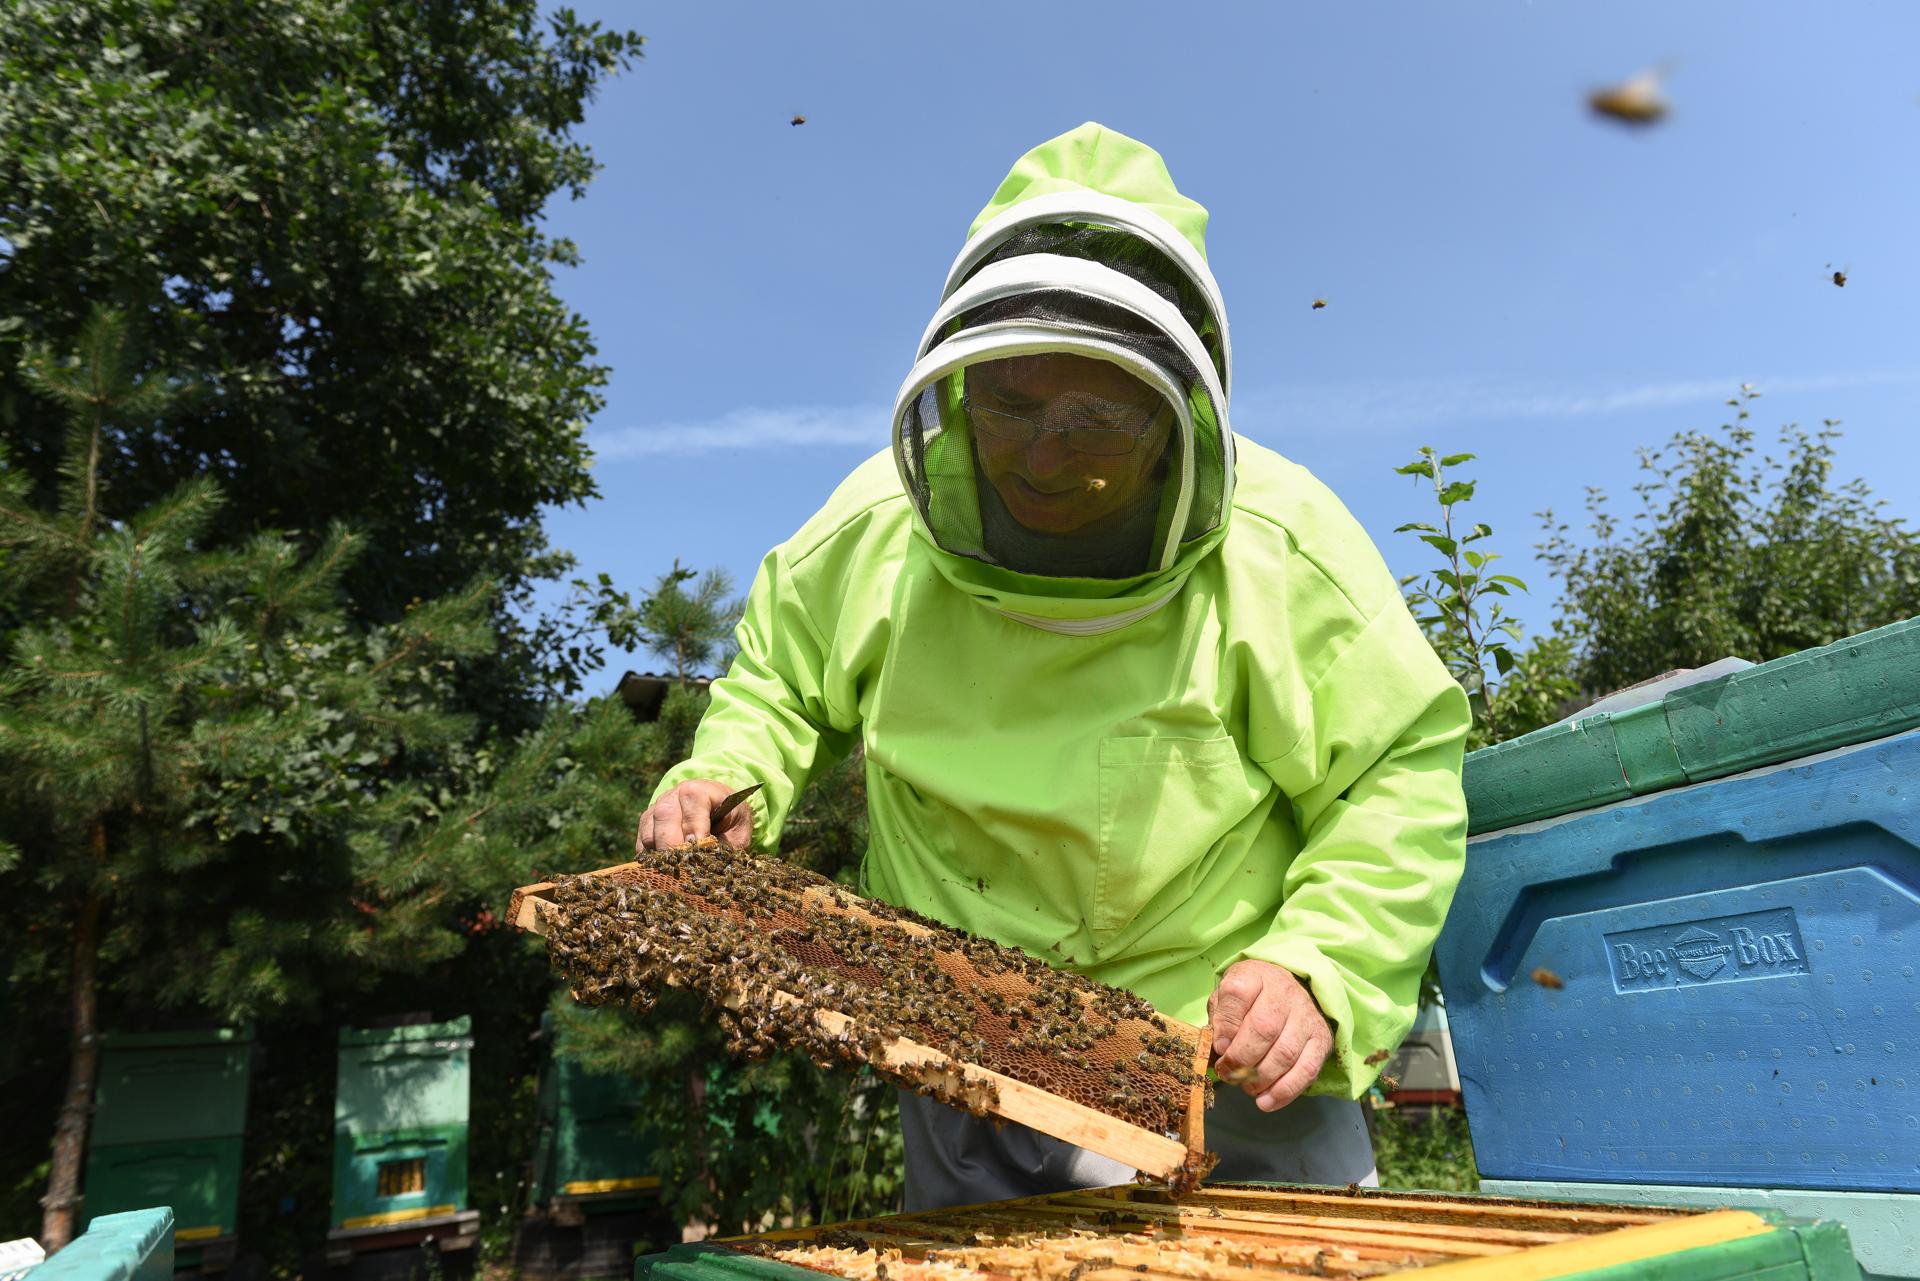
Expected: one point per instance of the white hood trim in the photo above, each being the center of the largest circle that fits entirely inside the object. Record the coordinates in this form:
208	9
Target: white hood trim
1104	211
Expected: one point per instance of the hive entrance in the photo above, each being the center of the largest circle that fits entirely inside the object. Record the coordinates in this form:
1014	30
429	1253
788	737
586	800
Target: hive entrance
789	960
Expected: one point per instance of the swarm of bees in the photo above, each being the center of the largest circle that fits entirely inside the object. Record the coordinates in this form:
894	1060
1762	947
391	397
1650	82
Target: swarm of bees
773	948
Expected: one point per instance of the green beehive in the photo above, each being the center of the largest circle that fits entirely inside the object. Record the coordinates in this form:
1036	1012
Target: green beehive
170	1111
587	1152
400	1137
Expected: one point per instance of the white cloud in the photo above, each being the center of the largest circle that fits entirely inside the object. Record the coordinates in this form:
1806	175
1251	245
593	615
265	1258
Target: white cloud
862	427
1386	407
1393	407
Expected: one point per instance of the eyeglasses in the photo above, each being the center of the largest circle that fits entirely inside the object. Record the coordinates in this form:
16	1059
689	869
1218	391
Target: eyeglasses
1095	426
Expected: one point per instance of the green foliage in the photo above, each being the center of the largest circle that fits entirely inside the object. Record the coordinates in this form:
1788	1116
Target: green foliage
690	629
329	216
321	225
182	729
1457	604
229	797
744	1144
1433	1152
1730	554
738	1141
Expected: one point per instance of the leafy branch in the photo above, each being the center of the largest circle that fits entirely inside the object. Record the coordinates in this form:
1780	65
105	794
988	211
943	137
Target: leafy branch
1456	604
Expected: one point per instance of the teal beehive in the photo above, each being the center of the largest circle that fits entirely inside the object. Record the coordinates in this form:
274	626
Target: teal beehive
170	1111
400	1138
1683	965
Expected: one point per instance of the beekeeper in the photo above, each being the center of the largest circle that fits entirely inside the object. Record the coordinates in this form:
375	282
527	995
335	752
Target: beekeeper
1134	691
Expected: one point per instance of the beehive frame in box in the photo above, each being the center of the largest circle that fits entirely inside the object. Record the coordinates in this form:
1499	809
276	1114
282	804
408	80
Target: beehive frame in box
1272	1232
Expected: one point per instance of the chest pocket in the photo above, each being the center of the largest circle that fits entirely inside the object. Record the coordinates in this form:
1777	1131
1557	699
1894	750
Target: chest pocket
1164	803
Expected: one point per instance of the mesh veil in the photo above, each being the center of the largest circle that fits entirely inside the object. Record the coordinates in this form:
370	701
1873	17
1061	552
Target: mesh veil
1092	292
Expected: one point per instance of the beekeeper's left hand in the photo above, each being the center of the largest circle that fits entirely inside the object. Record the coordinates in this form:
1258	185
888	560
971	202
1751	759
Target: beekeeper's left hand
1269	1035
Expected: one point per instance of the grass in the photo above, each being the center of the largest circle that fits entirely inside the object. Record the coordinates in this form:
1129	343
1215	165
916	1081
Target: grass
1433	1152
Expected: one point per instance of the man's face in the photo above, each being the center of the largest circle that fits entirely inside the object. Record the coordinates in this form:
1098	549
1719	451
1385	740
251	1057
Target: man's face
1062	480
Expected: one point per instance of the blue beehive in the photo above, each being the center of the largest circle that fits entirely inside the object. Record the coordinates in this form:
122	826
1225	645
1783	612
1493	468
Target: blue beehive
1711	986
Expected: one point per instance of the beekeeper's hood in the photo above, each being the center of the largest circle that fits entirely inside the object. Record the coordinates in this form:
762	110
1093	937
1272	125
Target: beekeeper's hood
1063	433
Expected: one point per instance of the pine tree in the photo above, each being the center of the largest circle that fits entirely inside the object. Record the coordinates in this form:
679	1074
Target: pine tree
691	629
187	735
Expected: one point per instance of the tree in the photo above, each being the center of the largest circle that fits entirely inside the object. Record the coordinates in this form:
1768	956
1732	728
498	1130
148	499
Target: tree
200	750
690	629
330	213
1729	554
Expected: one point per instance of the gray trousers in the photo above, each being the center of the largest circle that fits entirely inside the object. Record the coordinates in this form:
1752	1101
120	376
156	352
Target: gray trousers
957	1159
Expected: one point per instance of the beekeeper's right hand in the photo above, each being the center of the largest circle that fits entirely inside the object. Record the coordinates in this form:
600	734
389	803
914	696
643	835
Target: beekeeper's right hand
686	814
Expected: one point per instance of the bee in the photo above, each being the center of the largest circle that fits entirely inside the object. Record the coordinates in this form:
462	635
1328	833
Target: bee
1839	276
797	121
1389	1083
1319	304
1635	101
1548	979
1378	1057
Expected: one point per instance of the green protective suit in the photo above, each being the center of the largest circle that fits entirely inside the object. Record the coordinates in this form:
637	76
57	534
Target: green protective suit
1265	765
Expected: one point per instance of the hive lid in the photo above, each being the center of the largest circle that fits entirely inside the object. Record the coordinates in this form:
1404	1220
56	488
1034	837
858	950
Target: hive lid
1860	688
242	1035
453	1030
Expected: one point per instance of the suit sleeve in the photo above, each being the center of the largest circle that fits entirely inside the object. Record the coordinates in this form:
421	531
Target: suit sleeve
1374	783
771	720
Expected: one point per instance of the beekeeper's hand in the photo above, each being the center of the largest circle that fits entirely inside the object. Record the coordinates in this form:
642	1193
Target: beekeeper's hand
1269	1035
686	814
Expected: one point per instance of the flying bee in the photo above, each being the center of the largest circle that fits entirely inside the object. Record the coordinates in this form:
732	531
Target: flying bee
797	121
1319	304
1389	1083
1635	101
1838	276
1548	979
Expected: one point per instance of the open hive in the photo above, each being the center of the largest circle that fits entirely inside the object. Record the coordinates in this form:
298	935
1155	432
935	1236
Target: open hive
1249	1232
790	960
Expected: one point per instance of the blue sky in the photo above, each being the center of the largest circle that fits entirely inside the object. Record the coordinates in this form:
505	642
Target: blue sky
1504	273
